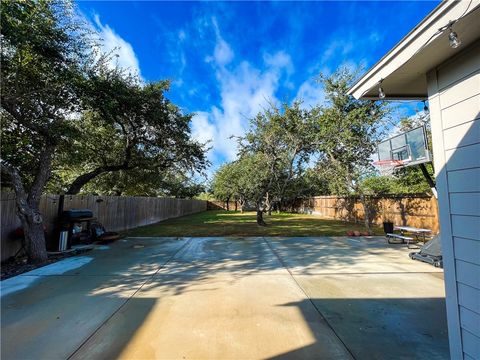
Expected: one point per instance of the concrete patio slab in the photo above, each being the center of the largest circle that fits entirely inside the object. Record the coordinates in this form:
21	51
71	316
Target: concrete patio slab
275	298
49	312
53	316
232	255
140	256
346	255
382	304
216	317
383	316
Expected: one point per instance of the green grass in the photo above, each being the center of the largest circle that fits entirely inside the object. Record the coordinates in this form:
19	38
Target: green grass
231	223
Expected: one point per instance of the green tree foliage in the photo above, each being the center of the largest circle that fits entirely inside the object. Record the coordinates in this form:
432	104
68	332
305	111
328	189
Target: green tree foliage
223	184
341	135
64	111
241	180
408	180
43	60
348	131
144	182
126	126
280	140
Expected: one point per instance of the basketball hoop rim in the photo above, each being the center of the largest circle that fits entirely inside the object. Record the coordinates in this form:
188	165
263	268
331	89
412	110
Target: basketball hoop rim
390	162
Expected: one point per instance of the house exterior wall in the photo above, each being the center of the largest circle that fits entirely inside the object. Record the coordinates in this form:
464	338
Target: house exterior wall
454	98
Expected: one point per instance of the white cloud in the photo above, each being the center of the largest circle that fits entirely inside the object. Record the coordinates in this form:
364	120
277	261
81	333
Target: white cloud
337	48
111	42
182	35
244	91
311	93
223	54
279	60
202	130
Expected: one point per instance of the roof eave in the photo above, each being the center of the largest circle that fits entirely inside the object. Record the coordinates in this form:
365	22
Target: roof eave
409	46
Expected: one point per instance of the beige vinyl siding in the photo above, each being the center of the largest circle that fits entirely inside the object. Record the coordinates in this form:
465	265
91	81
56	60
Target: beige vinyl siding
454	94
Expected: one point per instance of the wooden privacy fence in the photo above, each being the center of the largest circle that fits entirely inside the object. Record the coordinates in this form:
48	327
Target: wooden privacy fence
417	211
223	205
116	213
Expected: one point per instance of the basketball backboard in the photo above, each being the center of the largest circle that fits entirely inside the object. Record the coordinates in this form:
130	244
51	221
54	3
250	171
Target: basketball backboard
406	149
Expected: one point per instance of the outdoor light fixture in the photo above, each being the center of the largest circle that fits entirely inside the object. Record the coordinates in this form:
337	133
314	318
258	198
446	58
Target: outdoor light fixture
453	38
381	92
425	107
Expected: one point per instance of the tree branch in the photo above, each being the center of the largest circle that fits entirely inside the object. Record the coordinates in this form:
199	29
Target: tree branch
42	175
20	194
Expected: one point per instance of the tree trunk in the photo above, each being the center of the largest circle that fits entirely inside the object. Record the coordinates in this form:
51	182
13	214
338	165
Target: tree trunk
35	242
268	204
367	213
27	204
260	220
228	206
32	225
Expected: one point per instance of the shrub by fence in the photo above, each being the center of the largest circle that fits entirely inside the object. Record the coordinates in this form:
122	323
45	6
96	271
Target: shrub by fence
116	213
411	210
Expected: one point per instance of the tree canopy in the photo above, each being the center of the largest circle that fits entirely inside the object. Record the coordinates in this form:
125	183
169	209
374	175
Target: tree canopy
65	112
127	125
44	57
291	152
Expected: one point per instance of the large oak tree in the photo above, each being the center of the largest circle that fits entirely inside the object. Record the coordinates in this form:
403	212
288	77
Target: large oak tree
65	111
281	141
43	59
128	125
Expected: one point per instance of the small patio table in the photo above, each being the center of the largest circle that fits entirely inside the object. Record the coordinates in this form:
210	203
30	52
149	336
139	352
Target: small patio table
419	233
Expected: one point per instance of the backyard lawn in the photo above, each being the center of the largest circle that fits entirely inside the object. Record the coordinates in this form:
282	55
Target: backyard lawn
234	223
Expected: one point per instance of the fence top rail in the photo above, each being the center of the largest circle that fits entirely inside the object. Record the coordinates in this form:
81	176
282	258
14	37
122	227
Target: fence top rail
383	196
10	195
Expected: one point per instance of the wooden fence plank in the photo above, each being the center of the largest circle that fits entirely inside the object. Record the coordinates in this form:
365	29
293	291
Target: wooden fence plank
114	212
417	211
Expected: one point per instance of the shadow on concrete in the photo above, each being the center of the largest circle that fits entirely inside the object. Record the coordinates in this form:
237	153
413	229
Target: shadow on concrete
383	328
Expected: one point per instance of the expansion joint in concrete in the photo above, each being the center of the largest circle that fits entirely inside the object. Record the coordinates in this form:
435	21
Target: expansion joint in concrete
308	297
129	298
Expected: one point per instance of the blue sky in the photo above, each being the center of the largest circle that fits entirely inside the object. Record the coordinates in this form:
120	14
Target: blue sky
227	59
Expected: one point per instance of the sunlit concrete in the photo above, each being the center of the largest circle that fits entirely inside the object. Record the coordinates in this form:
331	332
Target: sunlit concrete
216	317
235	298
334	255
